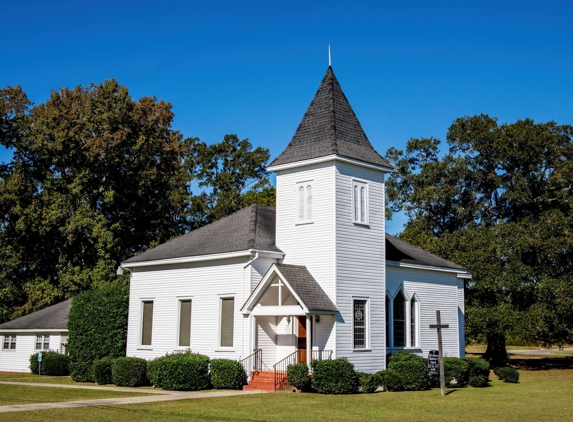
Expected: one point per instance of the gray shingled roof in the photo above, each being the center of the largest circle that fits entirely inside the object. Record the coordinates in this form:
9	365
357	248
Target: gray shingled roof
307	288
329	127
53	317
400	251
250	228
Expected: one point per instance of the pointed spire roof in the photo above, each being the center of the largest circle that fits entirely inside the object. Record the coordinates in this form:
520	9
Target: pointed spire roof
330	127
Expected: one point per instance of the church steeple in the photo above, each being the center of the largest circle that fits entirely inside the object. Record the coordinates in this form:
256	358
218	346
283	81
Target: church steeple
330	127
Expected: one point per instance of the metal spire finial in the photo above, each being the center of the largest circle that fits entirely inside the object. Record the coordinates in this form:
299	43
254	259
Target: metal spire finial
329	57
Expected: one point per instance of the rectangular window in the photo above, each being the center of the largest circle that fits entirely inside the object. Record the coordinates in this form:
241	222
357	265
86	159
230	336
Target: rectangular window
147	322
399	318
42	342
9	343
304	202
359	317
359	202
227	321
184	323
414	323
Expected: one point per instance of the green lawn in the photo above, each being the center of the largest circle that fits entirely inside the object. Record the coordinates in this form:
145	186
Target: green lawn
22	394
540	396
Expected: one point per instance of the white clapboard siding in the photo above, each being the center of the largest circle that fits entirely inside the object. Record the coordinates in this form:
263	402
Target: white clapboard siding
434	290
323	333
286	339
266	340
18	360
205	283
461	319
360	266
310	244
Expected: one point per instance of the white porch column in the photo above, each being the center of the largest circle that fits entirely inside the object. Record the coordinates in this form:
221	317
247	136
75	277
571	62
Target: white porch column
308	339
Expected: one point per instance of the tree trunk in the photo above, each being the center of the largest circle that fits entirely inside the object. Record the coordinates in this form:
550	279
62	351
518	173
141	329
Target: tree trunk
496	353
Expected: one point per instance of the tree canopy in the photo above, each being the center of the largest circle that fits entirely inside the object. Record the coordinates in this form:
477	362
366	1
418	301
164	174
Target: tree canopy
97	177
499	202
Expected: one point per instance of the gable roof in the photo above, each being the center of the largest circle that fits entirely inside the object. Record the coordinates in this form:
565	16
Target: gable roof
53	317
252	227
306	288
330	127
400	251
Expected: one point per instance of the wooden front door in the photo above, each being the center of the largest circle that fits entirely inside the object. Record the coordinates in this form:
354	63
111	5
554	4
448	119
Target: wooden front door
302	339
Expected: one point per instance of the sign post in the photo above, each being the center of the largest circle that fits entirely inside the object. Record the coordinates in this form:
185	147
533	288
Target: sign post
40	363
439	327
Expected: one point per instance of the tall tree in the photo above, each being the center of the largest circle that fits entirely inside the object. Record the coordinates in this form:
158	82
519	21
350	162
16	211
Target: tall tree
499	202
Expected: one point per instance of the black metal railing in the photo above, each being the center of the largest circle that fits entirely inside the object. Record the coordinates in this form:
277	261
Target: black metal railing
299	356
252	364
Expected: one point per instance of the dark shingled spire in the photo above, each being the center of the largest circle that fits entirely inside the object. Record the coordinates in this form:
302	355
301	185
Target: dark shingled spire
329	127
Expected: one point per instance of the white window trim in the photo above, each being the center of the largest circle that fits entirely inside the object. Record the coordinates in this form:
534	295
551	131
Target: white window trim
408	321
9	337
366	347
360	184
414	301
306	219
219	319
42	343
140	333
179	300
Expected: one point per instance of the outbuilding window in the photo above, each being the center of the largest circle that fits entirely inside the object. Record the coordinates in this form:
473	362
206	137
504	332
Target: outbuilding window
42	342
185	323
227	327
146	322
9	343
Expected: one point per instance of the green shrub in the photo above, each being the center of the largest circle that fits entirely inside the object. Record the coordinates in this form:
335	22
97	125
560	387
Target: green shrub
390	380
335	376
297	375
102	371
405	357
456	370
129	372
97	327
369	383
183	371
412	372
227	373
53	363
507	373
479	381
478	367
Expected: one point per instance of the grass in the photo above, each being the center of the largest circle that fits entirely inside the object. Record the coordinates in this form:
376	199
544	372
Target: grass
22	394
542	395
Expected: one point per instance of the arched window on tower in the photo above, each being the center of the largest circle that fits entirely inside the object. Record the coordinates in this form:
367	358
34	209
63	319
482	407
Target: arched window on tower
304	202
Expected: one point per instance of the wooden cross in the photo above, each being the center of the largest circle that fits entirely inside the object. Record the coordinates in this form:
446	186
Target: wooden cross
439	327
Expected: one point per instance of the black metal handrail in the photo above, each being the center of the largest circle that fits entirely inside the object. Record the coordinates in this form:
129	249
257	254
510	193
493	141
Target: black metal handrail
252	363
299	356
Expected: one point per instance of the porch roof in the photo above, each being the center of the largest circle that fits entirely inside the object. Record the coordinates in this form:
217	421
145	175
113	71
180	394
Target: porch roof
311	297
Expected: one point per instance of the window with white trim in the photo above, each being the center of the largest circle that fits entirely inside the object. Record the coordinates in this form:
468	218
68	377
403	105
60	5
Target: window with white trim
399	320
414	312
360	318
9	343
359	202
185	307
402	321
146	322
42	342
304	202
227	327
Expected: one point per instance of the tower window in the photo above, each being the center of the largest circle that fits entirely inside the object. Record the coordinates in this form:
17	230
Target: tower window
359	202
304	202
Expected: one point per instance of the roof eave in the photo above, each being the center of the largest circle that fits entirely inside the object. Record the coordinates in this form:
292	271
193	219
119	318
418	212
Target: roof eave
327	158
461	272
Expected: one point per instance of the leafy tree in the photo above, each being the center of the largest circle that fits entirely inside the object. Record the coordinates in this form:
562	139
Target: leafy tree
500	203
232	175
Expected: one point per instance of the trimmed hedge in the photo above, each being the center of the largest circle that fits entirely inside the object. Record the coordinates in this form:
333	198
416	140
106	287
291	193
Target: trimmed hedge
390	380
369	383
335	376
103	371
507	373
297	376
227	373
456	369
478	368
184	371
479	381
412	371
97	328
53	363
129	372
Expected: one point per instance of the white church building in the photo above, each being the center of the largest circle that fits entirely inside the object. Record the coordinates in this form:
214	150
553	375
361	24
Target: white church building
315	277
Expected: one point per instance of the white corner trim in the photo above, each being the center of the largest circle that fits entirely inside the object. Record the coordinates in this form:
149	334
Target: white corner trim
202	258
326	158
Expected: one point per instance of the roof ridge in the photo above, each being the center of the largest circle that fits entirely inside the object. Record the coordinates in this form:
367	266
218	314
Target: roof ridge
333	141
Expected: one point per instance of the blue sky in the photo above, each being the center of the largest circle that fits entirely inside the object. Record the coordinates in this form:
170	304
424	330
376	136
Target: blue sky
408	68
